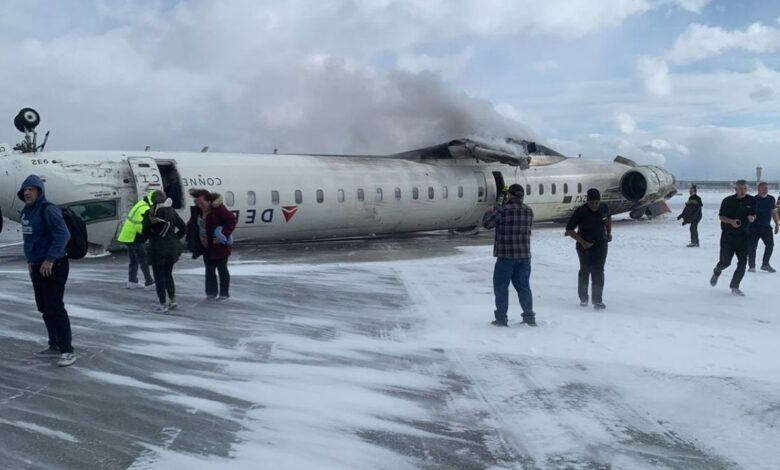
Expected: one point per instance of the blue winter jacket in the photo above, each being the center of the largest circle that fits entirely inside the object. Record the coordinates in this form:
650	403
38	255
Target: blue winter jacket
42	241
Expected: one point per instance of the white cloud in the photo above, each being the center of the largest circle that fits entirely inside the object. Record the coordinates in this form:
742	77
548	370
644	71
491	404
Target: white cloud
700	42
448	66
695	6
653	73
625	123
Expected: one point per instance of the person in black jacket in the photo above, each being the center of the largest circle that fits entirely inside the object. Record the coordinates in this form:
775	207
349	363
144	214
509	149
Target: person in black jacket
736	213
594	225
692	215
164	228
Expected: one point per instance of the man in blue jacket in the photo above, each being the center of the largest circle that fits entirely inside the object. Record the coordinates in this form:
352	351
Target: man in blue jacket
45	237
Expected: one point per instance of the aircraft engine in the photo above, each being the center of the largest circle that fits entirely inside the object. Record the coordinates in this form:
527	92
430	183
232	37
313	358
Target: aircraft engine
646	184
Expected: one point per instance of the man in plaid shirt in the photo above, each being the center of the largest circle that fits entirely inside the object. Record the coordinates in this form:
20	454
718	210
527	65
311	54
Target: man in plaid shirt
512	249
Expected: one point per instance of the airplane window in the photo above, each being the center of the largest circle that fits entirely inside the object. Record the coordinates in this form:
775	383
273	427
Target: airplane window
528	189
360	194
250	198
460	191
552	188
430	192
565	188
320	196
415	193
298	196
275	198
378	194
95	210
340	195
397	194
230	199
481	192
579	188
444	192
541	189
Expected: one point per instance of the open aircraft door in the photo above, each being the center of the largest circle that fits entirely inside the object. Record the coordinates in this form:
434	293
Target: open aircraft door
146	174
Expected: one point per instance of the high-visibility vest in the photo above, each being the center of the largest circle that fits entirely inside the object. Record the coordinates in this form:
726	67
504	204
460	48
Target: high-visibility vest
133	225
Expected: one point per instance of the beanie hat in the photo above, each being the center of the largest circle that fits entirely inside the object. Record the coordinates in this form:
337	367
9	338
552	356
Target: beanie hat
516	190
594	195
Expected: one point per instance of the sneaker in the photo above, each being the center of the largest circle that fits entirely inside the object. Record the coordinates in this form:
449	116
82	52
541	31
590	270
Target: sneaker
599	306
66	359
692	245
583	303
529	321
160	308
211	297
133	285
768	268
499	323
48	352
736	291
714	279
752	269
172	305
223	297
149	286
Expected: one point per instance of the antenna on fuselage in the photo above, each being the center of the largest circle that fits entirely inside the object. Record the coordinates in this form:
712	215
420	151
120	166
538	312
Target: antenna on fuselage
148	147
204	149
26	121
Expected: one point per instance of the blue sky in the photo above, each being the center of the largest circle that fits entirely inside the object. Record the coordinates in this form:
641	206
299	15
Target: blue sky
689	84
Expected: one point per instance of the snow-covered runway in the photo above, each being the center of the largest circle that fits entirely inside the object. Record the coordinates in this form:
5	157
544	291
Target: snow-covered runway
379	354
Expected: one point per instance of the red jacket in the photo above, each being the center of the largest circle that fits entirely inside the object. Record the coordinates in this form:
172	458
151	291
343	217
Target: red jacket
219	216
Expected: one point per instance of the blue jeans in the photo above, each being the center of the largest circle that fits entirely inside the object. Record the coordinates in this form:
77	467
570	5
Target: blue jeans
518	272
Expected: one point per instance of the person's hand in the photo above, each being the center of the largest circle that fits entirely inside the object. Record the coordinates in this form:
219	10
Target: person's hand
751	218
46	268
586	245
736	223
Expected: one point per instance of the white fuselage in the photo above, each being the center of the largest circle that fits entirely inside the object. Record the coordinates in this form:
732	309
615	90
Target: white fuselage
303	197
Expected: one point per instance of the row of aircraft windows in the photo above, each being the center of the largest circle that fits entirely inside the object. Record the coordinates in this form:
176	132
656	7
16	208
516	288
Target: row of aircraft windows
379	195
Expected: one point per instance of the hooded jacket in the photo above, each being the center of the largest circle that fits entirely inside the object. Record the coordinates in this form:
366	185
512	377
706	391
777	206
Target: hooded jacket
43	241
133	225
163	227
220	216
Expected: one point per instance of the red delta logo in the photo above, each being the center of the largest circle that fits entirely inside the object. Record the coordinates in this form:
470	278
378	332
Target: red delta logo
288	212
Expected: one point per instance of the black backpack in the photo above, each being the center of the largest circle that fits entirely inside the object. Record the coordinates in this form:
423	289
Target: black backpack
77	245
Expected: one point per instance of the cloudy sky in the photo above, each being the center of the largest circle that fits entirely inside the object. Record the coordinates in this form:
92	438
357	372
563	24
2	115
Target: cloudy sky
690	84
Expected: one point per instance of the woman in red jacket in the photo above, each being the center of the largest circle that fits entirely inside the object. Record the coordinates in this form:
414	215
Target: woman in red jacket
209	233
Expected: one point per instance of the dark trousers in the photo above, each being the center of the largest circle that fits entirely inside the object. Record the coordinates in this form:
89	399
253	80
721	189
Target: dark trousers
212	267
730	245
592	263
518	272
163	275
137	254
695	231
766	235
49	292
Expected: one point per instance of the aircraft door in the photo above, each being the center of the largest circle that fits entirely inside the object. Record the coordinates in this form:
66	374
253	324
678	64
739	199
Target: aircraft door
146	175
481	186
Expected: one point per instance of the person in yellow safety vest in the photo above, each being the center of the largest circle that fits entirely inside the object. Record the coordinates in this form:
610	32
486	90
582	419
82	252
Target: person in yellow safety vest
136	243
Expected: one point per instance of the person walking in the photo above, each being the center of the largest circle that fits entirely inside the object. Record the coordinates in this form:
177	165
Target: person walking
163	227
132	237
736	213
210	230
761	228
512	249
691	214
593	224
45	237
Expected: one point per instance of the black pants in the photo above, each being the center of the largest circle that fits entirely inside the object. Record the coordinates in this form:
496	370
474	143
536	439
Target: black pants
695	231
212	267
592	268
730	245
163	276
49	292
136	252
766	235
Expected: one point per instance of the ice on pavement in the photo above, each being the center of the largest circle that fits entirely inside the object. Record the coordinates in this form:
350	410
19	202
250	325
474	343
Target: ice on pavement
380	354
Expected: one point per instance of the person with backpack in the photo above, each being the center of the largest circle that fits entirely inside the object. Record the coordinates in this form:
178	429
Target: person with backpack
46	237
131	236
210	230
163	227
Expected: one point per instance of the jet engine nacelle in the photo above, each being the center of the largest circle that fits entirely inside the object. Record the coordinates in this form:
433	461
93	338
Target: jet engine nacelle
646	184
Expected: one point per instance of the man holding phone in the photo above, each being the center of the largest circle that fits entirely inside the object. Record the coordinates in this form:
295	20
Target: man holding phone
736	213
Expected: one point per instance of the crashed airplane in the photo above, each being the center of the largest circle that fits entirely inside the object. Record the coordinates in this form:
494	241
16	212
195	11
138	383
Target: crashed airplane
304	197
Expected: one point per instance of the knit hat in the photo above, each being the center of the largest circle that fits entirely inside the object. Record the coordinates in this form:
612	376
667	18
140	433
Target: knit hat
516	190
594	195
